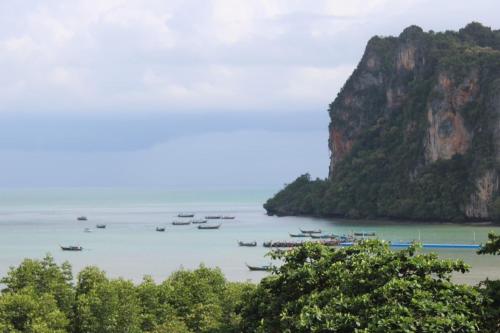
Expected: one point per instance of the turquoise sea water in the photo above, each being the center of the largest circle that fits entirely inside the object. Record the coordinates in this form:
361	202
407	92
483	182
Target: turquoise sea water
35	222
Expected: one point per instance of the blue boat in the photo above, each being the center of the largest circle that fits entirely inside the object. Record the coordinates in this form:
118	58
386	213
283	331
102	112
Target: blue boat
429	245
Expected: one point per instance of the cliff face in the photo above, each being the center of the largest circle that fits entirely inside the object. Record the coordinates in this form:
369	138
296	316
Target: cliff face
392	66
415	131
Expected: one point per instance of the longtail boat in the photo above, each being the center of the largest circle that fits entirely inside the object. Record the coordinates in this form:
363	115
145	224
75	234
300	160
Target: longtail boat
100	226
71	248
81	218
206	227
364	234
314	231
200	221
160	229
249	244
213	217
299	235
227	217
265	268
185	215
181	223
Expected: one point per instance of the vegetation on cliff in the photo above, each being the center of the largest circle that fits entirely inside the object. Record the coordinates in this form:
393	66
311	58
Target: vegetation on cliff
412	132
363	288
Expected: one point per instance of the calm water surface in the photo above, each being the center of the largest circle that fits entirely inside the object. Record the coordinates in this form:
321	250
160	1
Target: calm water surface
35	222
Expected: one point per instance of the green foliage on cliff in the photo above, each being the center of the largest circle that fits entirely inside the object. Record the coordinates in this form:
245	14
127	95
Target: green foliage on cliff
383	113
363	288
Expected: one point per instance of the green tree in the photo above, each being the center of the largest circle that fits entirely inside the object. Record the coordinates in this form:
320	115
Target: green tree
29	311
491	288
43	277
106	306
363	288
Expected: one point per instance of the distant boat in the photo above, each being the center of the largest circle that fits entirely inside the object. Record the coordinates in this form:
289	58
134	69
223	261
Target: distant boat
200	221
181	223
299	235
213	217
325	236
209	226
71	248
364	234
265	268
227	217
100	226
313	231
87	230
185	215
160	229
81	218
249	244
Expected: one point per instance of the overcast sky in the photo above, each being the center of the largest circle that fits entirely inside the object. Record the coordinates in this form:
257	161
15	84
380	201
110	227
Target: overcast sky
185	93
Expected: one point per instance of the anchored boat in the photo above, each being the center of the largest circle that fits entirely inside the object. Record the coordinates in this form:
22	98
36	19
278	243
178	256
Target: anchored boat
265	268
209	226
299	235
100	226
160	229
81	218
185	215
313	231
181	223
249	244
71	248
200	221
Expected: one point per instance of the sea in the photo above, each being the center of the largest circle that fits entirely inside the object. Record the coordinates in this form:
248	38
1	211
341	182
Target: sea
36	222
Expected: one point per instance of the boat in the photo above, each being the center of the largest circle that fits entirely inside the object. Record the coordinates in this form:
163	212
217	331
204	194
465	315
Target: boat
278	244
213	217
181	223
200	221
71	248
209	226
249	244
364	234
313	231
227	217
81	218
323	236
100	226
185	215
299	235
160	229
87	230
265	268
426	245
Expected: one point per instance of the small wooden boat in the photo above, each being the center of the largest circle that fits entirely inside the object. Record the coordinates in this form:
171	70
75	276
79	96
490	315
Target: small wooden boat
87	230
227	217
81	218
299	235
185	215
207	227
100	226
364	234
200	221
313	231
181	223
249	244
71	248
265	268
213	217
160	229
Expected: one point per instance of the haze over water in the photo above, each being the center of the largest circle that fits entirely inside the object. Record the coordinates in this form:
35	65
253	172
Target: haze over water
34	222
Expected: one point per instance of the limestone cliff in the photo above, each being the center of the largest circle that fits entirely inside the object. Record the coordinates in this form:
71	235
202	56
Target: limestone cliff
415	131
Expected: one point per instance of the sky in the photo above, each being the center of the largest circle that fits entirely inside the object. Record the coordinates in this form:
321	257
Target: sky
212	93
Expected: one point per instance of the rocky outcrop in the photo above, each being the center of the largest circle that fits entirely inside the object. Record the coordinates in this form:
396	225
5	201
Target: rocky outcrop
414	133
387	75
